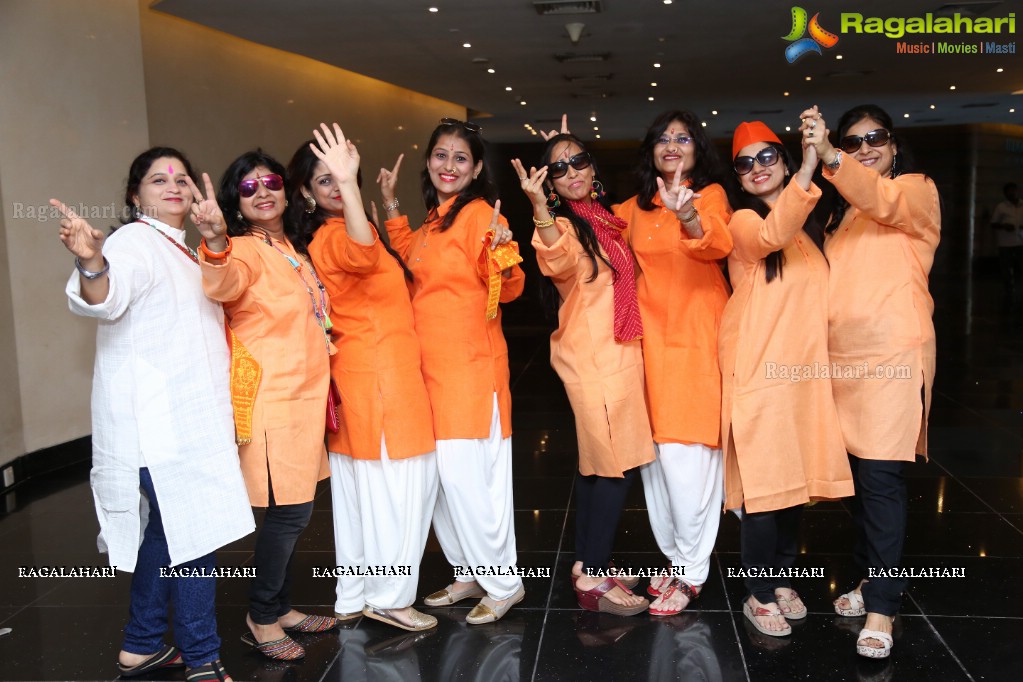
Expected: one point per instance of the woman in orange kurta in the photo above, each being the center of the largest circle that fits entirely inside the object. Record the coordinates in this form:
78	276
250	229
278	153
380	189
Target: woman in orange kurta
597	353
278	310
682	292
455	294
779	427
383	467
884	228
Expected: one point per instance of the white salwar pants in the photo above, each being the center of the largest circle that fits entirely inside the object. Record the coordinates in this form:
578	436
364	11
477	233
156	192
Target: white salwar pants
684	489
474	520
382	512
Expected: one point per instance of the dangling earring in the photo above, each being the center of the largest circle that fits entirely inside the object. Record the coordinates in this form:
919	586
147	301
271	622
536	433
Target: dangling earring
239	216
310	203
596	190
895	160
553	200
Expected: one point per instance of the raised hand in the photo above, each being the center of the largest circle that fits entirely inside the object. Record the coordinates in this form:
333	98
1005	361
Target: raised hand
502	235
388	180
532	183
564	129
206	214
676	196
815	132
80	238
337	153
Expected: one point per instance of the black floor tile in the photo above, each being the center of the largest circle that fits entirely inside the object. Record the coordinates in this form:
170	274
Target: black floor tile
988	648
1001	494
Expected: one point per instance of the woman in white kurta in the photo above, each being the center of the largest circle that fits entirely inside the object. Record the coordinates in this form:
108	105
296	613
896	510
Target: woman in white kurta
161	416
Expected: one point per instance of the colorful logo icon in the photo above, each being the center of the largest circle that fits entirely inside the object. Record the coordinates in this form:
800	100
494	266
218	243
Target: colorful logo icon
801	46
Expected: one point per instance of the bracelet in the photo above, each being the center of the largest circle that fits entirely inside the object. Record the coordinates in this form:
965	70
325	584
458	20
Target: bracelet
214	255
393	206
87	274
835	162
540	224
689	218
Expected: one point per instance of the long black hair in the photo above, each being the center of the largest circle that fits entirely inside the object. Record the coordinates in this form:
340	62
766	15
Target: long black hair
583	230
706	162
481	186
300	175
137	172
740	199
230	200
902	162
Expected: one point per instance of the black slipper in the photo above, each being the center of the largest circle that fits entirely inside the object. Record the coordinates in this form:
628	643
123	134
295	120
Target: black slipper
167	657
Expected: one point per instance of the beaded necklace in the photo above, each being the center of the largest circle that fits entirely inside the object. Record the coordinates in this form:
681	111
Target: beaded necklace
182	248
319	311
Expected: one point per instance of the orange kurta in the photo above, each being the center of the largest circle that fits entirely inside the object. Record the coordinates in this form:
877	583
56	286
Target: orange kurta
377	367
603	377
782	441
682	293
268	306
881	309
465	357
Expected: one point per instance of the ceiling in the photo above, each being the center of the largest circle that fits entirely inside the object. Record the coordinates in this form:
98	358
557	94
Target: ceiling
724	60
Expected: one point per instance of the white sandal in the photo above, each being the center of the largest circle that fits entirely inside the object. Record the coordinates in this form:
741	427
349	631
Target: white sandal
873	651
856	607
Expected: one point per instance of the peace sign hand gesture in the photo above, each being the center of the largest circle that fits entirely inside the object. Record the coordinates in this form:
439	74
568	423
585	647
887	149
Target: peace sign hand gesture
206	214
80	238
679	199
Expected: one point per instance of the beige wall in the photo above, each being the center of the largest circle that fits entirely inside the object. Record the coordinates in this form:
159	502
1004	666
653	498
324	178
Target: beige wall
216	96
72	111
85	85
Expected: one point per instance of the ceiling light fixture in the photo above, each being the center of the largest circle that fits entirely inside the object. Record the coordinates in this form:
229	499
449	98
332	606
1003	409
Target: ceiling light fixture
999	70
593	118
649	99
951	87
433	9
466	44
508	88
713	112
657	65
490	71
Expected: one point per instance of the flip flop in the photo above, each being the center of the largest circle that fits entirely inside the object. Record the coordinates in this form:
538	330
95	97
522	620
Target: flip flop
167	657
210	672
752	613
872	651
793	614
676	585
283	649
313	624
487	611
447	597
420	621
855	608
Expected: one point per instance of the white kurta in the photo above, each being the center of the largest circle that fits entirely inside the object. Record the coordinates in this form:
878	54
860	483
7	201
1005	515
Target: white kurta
160	399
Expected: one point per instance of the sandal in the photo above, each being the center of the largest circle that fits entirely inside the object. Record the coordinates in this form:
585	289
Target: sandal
210	672
419	621
167	657
656	591
487	611
792	613
624	577
313	624
856	606
676	585
595	599
752	613
283	649
868	651
345	617
447	596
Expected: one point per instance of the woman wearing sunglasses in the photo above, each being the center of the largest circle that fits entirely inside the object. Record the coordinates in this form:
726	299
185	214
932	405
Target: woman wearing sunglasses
383	468
160	416
782	443
278	313
596	351
682	292
884	228
463	264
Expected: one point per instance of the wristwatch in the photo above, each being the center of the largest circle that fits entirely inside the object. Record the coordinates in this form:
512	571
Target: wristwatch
836	162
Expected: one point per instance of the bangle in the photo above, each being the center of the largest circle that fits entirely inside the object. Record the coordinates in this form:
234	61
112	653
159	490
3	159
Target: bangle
87	274
836	162
393	206
540	224
689	218
215	255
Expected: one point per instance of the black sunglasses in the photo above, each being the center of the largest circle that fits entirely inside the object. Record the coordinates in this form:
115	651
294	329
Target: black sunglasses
471	127
559	169
768	156
850	144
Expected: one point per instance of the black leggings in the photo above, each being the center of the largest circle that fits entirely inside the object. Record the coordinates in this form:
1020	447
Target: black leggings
879	511
599	501
768	540
270	592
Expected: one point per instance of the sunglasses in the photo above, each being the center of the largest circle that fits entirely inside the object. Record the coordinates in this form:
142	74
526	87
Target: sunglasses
559	169
768	156
272	182
875	138
471	127
682	140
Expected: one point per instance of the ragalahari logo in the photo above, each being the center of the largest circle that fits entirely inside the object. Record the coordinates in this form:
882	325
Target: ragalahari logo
801	46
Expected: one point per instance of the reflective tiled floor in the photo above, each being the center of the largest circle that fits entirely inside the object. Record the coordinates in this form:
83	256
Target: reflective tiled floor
966	511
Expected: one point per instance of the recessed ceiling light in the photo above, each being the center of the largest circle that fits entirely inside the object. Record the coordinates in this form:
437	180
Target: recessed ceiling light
526	125
905	116
657	65
1012	111
593	118
932	106
653	85
649	99
434	9
598	137
523	102
713	112
788	129
703	123
466	44
951	87
596	127
785	94
508	88
999	70
838	56
490	71
667	2
809	78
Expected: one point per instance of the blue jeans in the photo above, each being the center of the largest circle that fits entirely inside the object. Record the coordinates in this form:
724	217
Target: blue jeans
195	621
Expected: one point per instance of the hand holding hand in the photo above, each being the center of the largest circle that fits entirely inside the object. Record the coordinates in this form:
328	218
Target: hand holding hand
815	133
80	238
